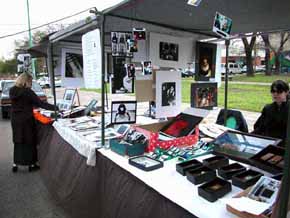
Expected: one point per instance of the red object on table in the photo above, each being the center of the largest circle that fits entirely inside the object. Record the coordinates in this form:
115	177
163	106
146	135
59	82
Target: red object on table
41	118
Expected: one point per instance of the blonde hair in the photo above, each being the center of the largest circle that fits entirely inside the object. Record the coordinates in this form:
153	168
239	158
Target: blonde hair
24	80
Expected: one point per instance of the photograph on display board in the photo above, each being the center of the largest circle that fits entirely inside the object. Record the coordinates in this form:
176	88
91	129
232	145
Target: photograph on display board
204	95
119	43
139	33
146	67
73	65
205	61
132	45
222	25
69	95
168	51
181	125
168	94
122	79
123	112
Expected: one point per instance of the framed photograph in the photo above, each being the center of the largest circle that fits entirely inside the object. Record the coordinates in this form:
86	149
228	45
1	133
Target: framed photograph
123	112
73	65
168	93
194	2
181	125
168	51
241	146
222	25
145	163
69	96
204	95
130	70
120	46
146	67
205	62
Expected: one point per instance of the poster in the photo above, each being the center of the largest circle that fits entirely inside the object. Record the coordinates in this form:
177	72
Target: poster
92	59
24	63
204	95
205	62
168	51
168	93
122	44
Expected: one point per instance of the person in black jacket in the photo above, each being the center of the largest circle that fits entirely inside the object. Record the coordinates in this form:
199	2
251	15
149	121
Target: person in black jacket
274	117
23	99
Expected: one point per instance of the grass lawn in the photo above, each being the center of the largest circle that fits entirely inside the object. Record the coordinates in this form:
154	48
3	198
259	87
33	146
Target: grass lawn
243	97
260	77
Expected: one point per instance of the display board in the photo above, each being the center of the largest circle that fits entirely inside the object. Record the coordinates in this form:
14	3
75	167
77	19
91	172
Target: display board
92	59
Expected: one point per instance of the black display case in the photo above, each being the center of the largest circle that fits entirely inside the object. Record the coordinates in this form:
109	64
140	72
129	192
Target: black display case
270	159
216	162
246	179
214	189
200	175
227	172
187	165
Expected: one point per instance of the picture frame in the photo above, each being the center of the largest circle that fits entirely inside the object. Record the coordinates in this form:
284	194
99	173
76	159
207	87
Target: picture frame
168	51
222	25
123	112
205	61
69	95
73	64
145	163
204	95
241	146
146	68
139	33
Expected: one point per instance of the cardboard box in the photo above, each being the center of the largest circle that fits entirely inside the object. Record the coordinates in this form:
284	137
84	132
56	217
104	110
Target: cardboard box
246	179
227	172
130	150
187	165
216	162
200	175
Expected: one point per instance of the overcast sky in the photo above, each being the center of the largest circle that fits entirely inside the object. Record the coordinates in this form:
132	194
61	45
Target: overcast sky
13	16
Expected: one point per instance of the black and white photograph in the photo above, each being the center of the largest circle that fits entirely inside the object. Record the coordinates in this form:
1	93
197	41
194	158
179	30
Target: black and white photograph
168	51
123	112
168	94
119	43
204	95
205	61
146	67
69	95
130	70
73	65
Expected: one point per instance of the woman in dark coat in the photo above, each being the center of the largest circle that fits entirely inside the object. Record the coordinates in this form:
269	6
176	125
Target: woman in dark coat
23	124
274	117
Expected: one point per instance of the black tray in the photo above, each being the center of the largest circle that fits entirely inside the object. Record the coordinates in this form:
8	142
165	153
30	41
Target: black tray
261	160
227	172
200	175
145	163
216	162
243	182
214	189
187	165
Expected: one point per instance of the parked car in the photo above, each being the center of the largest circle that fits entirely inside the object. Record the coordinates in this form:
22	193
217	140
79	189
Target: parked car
44	82
260	68
5	100
234	68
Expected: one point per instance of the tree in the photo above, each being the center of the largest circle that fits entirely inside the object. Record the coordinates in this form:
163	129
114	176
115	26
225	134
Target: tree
266	40
248	51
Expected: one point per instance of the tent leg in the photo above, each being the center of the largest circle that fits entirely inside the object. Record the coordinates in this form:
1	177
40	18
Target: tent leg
227	42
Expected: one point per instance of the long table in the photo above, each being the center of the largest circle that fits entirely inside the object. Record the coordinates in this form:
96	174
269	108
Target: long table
103	191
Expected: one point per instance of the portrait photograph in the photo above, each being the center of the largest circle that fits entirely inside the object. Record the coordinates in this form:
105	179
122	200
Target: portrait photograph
123	112
205	61
168	94
168	51
204	95
146	67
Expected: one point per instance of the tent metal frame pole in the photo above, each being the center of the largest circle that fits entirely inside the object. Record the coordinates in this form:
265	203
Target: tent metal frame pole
227	43
284	200
52	78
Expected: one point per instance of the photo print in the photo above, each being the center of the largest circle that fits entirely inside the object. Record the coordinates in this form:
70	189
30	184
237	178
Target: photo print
123	112
146	67
69	96
222	25
120	46
168	94
205	61
122	79
73	65
24	63
139	33
168	51
204	95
